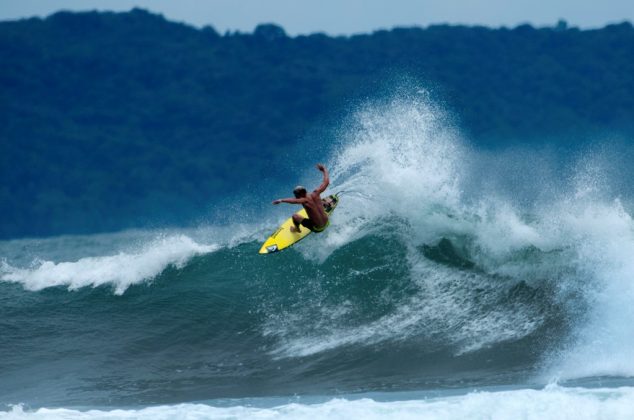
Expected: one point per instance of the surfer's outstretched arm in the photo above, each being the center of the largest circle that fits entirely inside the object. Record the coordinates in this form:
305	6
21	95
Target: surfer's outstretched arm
290	200
326	181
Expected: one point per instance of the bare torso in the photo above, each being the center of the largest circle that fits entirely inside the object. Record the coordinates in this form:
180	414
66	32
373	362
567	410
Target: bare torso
315	209
312	204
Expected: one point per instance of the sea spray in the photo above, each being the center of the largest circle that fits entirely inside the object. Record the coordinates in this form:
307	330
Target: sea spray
430	276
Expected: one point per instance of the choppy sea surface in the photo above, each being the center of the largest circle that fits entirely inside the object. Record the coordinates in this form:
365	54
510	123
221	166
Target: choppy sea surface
452	283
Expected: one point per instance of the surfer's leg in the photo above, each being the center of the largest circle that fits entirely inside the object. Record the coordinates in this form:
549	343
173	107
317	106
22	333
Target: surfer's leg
297	220
308	224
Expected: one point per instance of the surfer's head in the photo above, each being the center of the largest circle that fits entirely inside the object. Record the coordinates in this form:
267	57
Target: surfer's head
299	191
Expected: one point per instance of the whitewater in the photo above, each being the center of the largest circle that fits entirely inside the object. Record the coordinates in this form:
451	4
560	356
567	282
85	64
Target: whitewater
453	282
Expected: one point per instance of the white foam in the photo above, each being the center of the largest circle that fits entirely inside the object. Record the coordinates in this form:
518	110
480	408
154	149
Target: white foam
552	402
603	343
402	163
447	310
398	158
120	270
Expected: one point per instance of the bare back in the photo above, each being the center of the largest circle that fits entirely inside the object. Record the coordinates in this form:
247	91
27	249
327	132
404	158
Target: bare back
315	209
312	204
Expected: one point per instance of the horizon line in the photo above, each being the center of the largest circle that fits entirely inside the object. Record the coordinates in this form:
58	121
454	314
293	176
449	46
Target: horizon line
561	24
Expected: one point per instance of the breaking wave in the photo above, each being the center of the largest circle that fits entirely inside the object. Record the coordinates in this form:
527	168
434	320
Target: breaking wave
443	266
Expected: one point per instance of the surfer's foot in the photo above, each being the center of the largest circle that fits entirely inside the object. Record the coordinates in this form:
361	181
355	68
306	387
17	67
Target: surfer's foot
295	229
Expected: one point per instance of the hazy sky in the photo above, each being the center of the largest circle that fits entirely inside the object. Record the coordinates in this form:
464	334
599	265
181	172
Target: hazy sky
347	16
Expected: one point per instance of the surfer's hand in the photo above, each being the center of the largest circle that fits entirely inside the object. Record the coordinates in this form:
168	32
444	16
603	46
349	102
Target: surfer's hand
321	167
277	201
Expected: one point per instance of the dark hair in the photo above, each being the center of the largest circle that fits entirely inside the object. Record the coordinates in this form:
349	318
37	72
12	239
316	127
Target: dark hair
299	191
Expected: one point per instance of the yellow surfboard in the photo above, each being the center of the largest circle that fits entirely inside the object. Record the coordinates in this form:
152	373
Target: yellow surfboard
283	237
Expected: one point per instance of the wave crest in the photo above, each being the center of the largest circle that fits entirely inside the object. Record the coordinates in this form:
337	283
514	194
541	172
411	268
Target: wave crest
120	271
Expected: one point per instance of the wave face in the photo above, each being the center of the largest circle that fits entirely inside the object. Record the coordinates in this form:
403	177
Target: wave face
444	267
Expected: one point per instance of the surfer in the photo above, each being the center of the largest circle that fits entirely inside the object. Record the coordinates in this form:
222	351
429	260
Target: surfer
317	219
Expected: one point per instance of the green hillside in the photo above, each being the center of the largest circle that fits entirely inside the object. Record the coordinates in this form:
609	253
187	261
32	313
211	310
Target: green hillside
114	120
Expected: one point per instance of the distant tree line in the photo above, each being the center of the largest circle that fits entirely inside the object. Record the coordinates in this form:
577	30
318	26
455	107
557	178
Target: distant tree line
114	120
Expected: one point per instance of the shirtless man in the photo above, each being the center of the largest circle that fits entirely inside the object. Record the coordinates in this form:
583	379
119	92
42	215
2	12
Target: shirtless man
317	219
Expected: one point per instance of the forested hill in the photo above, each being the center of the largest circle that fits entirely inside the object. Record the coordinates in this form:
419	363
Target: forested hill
113	120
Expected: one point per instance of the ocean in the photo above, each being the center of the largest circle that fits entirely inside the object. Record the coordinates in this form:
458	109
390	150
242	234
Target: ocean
453	282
